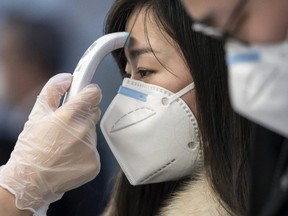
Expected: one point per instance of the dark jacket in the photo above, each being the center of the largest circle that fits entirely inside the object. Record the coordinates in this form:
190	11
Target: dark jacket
269	174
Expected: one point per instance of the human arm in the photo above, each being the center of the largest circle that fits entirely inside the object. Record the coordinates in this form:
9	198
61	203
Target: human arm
56	151
8	207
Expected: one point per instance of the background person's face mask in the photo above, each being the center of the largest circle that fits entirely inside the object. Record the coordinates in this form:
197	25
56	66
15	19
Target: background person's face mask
152	133
258	81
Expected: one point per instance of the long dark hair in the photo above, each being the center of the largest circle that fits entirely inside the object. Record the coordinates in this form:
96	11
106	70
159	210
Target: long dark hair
226	136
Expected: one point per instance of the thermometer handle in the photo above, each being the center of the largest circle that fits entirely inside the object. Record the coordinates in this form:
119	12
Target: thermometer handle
89	62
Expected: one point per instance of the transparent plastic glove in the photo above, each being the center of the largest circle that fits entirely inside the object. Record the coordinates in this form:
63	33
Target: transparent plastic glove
56	150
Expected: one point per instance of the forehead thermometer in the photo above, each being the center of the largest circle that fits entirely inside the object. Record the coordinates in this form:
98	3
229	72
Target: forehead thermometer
90	60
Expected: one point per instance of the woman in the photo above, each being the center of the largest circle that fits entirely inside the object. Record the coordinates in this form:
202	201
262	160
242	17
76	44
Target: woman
177	57
180	58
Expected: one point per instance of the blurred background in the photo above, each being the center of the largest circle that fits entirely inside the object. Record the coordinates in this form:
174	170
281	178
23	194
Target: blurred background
37	40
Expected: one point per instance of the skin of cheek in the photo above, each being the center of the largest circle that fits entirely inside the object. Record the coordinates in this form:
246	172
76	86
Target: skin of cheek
182	80
178	66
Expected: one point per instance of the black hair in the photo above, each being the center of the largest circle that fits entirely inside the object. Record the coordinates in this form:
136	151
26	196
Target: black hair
226	136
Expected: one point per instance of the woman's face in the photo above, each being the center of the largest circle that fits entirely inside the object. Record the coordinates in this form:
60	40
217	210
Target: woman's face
154	58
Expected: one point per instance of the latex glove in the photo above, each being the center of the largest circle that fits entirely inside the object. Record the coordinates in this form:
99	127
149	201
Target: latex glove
56	151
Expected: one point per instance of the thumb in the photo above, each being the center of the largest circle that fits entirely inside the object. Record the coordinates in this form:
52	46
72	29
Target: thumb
50	95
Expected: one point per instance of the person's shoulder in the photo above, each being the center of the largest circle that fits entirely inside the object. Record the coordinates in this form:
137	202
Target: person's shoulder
197	198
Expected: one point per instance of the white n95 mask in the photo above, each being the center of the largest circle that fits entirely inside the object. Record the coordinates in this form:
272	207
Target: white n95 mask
152	133
258	82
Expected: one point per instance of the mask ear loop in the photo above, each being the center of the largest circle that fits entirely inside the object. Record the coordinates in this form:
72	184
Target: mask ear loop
168	100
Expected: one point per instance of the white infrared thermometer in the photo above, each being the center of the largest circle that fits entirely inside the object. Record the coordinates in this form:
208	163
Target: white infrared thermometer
89	62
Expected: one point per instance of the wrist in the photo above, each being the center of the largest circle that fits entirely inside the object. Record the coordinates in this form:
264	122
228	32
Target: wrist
21	182
7	205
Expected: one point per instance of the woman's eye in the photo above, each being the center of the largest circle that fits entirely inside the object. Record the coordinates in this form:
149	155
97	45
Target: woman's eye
144	73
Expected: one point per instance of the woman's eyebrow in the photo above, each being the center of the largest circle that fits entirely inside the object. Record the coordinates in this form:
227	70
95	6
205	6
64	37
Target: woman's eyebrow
135	53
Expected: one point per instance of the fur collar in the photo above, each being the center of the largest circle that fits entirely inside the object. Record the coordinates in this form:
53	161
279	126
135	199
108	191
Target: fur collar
196	199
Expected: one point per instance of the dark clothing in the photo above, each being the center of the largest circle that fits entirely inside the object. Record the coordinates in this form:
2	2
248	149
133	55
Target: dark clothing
278	200
86	200
269	174
6	147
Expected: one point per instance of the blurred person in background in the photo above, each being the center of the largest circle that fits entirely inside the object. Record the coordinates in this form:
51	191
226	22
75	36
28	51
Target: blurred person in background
255	36
30	53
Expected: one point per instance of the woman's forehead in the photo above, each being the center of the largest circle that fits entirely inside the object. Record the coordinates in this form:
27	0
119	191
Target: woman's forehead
145	31
140	17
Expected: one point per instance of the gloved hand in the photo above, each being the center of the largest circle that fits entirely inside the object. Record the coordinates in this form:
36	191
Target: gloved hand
56	150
